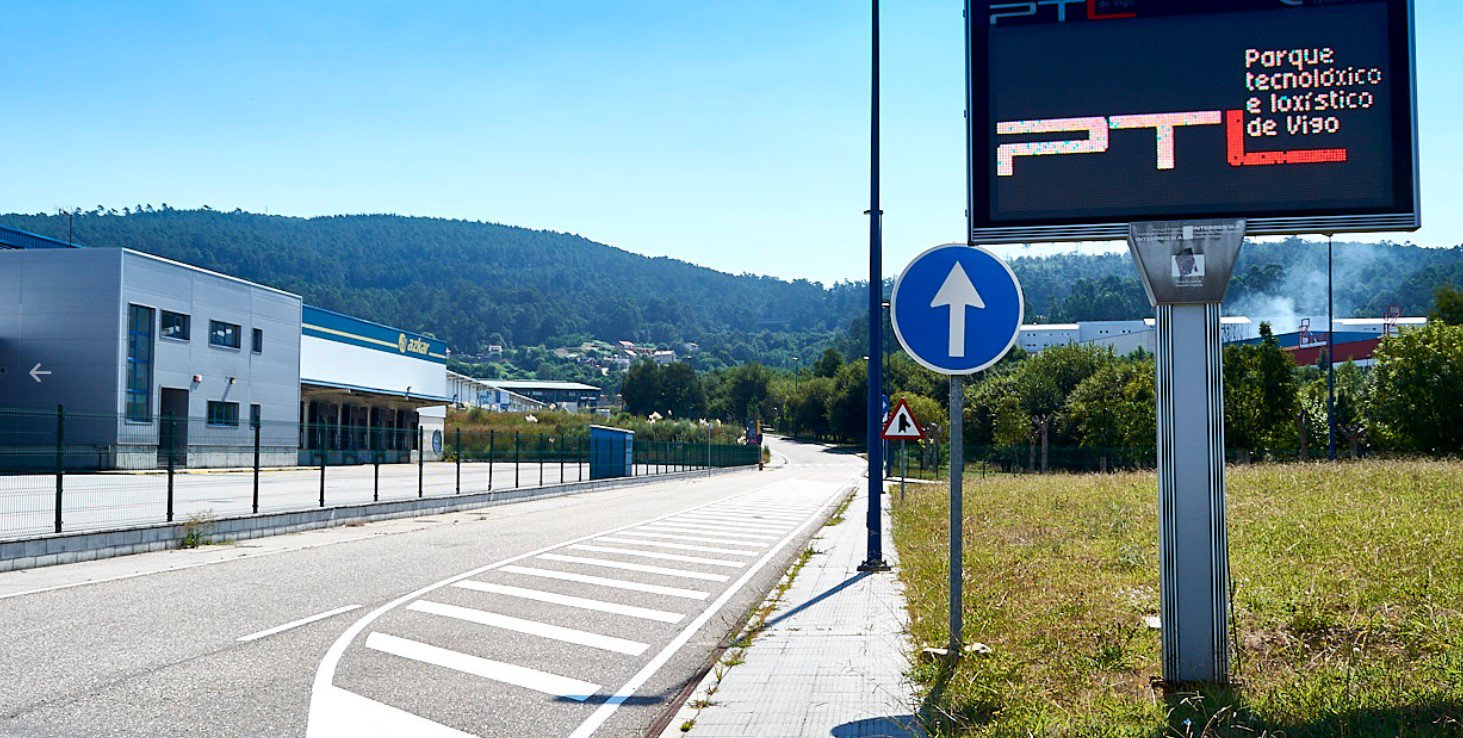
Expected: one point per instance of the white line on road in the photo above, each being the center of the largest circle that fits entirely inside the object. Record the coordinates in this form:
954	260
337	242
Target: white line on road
297	623
704	529
689	594
645	568
676	546
658	555
702	539
531	627
519	676
582	603
739	524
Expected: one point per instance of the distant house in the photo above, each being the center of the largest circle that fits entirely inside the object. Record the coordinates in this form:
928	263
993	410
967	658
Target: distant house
664	357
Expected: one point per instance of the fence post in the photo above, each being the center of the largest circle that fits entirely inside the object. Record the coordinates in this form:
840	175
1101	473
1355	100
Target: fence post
458	442
421	460
584	442
172	456
492	441
60	460
376	475
517	456
320	444
540	459
561	451
257	423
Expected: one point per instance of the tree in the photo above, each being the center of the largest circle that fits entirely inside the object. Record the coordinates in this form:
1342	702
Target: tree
643	388
1447	305
682	393
1260	395
827	365
1417	389
742	393
849	402
809	409
1114	410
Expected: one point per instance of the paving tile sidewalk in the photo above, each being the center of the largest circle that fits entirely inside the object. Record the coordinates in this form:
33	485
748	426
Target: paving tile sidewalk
832	659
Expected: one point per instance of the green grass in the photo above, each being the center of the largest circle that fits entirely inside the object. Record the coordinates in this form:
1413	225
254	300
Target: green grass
1348	605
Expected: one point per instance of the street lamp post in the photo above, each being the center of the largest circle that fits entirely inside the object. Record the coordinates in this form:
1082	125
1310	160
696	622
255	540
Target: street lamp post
875	560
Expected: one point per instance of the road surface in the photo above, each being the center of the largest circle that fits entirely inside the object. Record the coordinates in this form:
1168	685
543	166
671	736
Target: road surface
576	616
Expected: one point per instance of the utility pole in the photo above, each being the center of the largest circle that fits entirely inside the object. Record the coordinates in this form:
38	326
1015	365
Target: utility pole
1330	355
875	560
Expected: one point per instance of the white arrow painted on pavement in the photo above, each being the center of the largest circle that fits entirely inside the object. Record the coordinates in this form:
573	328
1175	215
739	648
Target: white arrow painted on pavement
957	293
36	372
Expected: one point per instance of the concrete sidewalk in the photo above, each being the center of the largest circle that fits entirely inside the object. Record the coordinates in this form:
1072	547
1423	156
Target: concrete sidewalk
830	661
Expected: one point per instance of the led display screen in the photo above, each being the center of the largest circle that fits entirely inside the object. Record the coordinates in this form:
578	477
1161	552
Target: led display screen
1090	114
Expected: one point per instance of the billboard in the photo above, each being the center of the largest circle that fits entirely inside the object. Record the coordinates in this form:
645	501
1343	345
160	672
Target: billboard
1085	115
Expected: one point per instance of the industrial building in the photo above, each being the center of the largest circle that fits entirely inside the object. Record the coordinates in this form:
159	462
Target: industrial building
130	339
366	390
467	392
152	358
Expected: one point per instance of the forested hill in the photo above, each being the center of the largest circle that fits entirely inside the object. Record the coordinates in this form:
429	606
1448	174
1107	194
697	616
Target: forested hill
473	283
466	281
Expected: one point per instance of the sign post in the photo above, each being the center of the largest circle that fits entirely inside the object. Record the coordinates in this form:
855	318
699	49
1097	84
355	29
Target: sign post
957	310
902	426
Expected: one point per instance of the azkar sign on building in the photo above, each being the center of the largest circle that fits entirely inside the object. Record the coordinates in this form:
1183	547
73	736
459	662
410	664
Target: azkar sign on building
413	345
1090	114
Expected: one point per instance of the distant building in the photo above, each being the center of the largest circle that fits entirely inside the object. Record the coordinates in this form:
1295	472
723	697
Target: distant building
571	396
664	357
468	392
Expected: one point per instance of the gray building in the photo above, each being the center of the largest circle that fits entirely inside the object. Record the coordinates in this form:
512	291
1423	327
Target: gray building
130	339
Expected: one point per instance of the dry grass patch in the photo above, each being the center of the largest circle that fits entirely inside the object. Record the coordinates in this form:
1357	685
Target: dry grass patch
1348	604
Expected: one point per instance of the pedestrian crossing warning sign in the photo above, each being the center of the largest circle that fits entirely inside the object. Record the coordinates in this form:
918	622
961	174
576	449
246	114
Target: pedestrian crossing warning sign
901	425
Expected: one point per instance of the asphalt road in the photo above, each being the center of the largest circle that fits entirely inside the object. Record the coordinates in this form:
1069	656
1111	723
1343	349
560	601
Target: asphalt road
575	616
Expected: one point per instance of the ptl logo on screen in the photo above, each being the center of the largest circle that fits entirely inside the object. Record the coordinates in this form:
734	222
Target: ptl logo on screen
1163	125
1087	9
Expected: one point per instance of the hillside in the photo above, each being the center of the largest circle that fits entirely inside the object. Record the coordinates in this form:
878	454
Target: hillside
474	283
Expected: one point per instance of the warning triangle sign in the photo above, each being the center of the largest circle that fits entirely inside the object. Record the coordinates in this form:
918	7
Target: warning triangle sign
901	425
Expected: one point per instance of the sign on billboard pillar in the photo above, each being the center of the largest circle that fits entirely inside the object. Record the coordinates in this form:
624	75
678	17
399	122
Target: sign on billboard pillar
1185	268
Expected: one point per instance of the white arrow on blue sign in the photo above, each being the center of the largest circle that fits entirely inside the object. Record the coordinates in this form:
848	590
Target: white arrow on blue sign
957	309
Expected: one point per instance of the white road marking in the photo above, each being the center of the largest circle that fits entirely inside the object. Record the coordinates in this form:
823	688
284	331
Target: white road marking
297	623
531	627
659	555
337	713
757	510
518	676
702	539
582	603
705	529
689	594
593	723
738	525
676	546
645	568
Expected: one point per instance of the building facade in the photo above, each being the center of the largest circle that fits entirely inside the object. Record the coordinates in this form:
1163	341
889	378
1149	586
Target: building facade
149	357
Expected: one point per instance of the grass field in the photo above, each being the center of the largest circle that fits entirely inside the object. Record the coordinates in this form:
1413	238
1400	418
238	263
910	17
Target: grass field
1348	604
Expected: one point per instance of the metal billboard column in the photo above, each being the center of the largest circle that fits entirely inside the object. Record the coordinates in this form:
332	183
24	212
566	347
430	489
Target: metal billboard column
1185	268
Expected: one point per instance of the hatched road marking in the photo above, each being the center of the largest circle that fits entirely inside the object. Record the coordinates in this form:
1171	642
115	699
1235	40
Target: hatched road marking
337	712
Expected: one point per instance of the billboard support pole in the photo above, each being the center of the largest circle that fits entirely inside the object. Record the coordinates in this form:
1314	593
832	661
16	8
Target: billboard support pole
1330	358
957	512
875	559
1185	268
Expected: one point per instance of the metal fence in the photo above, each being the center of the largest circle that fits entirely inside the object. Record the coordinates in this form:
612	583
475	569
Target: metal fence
63	471
927	460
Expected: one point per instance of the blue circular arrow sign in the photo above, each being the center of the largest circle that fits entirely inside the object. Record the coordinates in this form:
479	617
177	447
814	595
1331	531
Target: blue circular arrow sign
957	309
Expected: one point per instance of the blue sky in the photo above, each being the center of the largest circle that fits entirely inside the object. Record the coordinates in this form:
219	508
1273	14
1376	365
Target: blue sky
728	134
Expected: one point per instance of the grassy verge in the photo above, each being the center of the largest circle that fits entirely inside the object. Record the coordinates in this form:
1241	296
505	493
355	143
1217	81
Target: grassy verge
1348	604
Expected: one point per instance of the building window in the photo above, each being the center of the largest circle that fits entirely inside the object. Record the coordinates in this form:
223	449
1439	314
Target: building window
254	416
223	413
223	334
258	340
139	363
176	326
